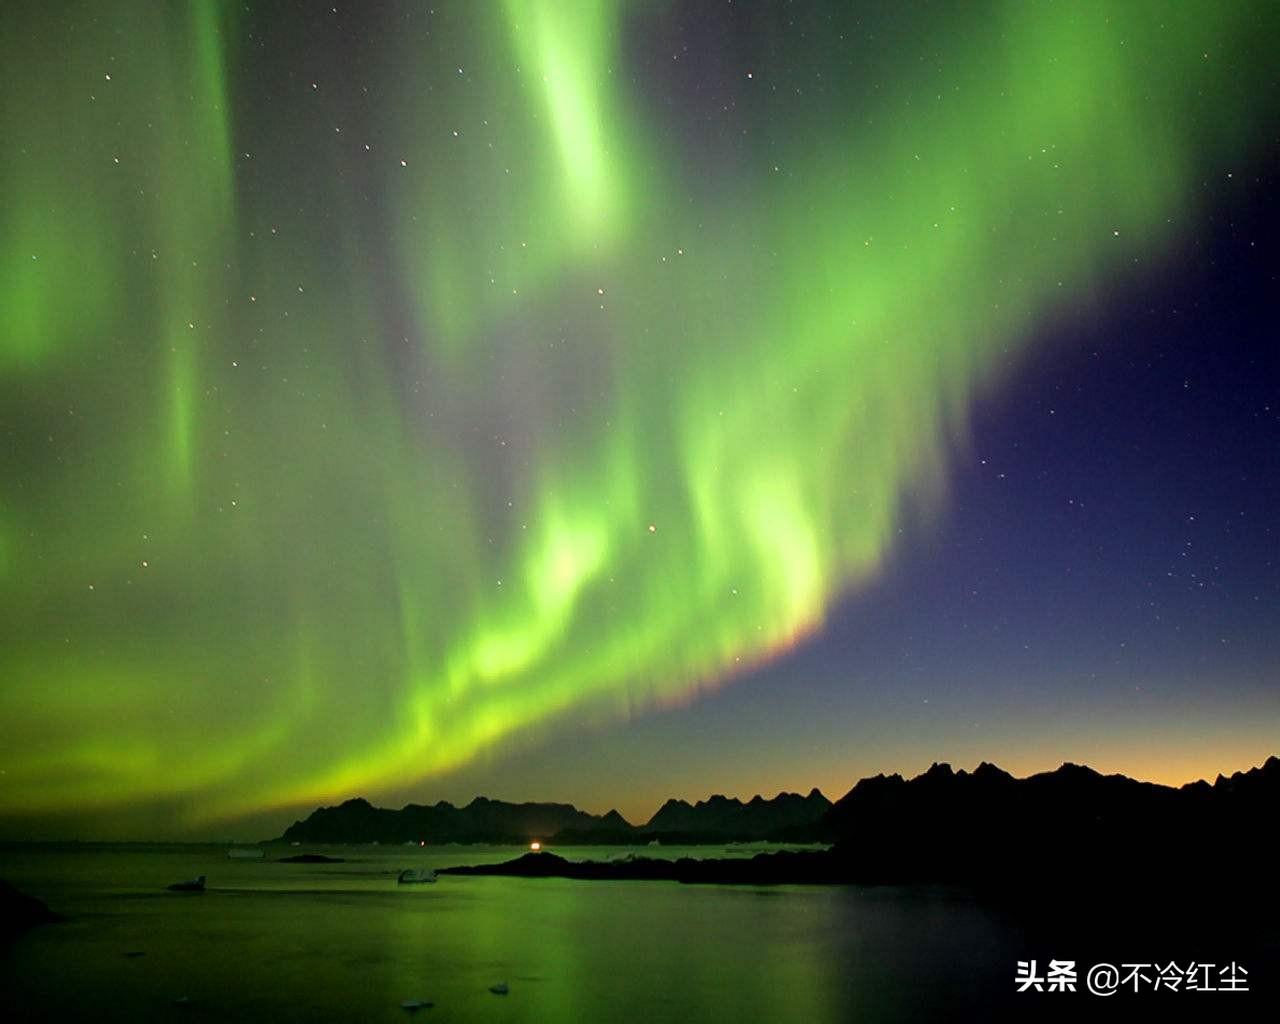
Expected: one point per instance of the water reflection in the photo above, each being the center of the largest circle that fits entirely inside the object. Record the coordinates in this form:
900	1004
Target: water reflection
345	941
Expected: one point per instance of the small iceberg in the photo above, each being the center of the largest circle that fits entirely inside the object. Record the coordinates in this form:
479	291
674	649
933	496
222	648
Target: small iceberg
414	1005
414	875
499	989
191	885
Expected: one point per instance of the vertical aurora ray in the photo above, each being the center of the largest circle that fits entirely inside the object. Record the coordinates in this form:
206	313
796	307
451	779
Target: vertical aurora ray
567	49
530	423
195	219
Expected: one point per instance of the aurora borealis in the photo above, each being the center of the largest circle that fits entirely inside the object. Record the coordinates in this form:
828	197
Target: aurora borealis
389	389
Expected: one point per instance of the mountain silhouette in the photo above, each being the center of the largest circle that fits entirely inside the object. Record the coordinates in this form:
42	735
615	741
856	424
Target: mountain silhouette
481	821
1063	829
942	825
757	818
946	824
716	820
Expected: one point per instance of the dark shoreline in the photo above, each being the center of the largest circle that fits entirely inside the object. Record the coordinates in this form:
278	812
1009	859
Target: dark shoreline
786	867
1149	896
1163	908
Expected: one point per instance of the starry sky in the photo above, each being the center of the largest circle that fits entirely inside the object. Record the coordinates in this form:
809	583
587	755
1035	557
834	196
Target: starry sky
602	401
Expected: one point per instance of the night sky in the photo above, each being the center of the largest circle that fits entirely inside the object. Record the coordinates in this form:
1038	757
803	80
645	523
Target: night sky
596	401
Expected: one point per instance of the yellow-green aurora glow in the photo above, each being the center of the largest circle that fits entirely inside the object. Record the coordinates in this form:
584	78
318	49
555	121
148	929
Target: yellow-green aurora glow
350	437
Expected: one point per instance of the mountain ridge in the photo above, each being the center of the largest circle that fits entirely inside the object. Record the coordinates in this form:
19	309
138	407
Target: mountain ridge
716	819
1069	796
1060	834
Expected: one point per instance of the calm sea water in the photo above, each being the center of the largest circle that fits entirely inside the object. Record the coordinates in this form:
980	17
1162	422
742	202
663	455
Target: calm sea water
283	942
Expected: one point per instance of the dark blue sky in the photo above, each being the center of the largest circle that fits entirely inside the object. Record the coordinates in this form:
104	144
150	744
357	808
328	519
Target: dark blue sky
1099	584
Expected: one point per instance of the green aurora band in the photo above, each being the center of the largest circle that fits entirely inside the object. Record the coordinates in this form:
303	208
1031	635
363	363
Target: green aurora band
308	494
